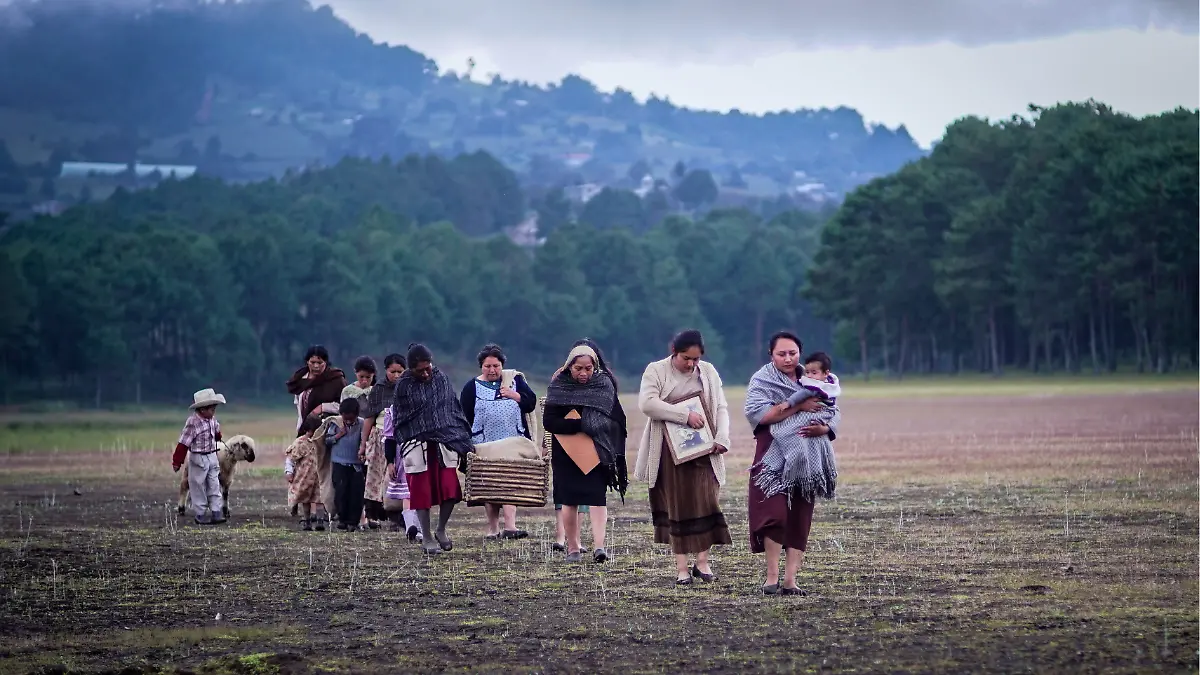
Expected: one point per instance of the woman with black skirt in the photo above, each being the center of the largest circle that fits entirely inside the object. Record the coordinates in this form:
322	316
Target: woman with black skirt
578	388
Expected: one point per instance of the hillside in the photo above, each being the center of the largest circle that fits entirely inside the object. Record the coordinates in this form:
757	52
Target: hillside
248	90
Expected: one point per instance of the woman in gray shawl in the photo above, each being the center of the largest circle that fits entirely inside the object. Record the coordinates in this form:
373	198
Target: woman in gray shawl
793	461
579	388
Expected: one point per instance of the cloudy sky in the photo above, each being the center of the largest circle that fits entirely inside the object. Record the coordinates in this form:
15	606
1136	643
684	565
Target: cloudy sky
921	63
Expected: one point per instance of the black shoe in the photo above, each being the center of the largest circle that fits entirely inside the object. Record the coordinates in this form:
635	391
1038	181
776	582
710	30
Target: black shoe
557	547
771	589
306	525
791	591
706	578
413	532
342	526
600	556
686	581
514	534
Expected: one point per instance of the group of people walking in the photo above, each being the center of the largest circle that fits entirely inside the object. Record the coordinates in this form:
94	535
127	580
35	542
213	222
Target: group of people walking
395	442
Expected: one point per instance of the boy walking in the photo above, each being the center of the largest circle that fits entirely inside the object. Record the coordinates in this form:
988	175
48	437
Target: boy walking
198	443
343	437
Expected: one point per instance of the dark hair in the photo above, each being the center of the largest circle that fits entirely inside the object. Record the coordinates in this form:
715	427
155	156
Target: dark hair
493	350
784	335
687	339
418	354
392	359
318	351
364	364
602	366
348	406
821	358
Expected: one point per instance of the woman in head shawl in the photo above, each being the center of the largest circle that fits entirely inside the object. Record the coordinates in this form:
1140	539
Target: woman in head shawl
560	528
432	438
317	388
793	461
580	400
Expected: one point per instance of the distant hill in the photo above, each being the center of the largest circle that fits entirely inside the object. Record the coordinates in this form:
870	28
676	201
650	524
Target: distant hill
247	90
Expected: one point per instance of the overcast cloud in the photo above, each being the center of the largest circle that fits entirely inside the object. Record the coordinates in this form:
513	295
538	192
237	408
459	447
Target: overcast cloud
677	31
921	63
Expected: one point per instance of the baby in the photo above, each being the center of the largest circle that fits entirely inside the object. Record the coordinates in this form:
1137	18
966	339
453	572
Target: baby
817	382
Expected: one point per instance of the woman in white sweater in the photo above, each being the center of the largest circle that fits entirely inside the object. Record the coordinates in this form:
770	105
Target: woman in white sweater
683	497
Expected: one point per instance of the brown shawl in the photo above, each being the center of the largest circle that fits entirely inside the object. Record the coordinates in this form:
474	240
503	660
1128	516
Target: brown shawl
324	388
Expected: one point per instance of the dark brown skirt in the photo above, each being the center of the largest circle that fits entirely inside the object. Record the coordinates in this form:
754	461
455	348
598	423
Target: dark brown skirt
684	506
770	517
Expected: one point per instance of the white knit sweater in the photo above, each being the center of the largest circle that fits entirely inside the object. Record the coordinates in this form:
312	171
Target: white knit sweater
657	382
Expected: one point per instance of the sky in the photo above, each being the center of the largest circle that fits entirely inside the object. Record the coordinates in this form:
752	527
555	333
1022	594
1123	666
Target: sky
921	63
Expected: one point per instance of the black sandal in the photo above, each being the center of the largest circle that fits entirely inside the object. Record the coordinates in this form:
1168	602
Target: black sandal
687	581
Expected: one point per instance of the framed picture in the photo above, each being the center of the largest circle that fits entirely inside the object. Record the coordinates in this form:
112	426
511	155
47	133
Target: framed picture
685	442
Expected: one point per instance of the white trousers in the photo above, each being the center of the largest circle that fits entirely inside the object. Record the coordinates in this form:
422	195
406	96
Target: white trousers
204	483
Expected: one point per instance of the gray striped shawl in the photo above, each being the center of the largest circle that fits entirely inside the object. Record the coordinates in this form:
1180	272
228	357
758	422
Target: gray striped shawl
793	464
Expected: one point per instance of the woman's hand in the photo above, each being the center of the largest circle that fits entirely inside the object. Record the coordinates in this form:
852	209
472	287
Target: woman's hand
814	430
510	394
289	477
720	449
695	421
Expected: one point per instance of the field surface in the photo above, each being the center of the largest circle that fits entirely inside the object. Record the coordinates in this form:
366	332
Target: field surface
981	529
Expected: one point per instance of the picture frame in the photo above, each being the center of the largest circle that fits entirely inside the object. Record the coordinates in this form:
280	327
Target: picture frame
686	443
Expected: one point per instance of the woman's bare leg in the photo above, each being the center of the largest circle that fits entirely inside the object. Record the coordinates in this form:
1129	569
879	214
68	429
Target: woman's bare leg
795	559
493	519
773	548
570	518
560	530
510	517
681	567
599	518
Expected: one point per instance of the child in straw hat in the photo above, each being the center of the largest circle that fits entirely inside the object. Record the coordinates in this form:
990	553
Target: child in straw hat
198	442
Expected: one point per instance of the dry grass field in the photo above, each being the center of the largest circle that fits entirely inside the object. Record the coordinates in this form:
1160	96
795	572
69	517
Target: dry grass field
999	530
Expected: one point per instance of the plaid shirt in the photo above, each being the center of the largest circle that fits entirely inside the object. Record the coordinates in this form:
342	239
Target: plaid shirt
200	435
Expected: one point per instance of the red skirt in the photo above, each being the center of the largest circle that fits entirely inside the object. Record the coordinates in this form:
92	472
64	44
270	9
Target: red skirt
436	485
770	518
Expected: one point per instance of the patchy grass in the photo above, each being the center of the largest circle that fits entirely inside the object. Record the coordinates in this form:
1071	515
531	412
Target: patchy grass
1046	533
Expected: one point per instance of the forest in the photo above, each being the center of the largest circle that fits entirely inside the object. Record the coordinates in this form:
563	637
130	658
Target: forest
1064	241
1067	241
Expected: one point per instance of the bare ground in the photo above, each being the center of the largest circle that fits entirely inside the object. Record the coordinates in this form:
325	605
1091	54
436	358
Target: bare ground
981	534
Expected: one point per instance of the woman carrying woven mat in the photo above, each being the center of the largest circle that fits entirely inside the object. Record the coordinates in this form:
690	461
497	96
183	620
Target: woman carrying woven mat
497	406
683	497
581	401
432	439
793	461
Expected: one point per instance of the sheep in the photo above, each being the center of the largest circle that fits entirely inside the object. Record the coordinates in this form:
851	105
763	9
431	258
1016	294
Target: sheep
229	453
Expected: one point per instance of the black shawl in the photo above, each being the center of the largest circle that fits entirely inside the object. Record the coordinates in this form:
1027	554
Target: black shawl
430	411
602	418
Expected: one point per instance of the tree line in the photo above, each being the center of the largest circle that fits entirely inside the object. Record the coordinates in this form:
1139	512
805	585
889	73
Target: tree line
1064	241
153	294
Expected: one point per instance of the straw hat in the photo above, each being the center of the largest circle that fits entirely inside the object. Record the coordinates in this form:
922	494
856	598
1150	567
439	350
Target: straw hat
205	398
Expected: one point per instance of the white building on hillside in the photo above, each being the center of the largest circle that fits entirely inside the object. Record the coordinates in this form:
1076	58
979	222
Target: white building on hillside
80	169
